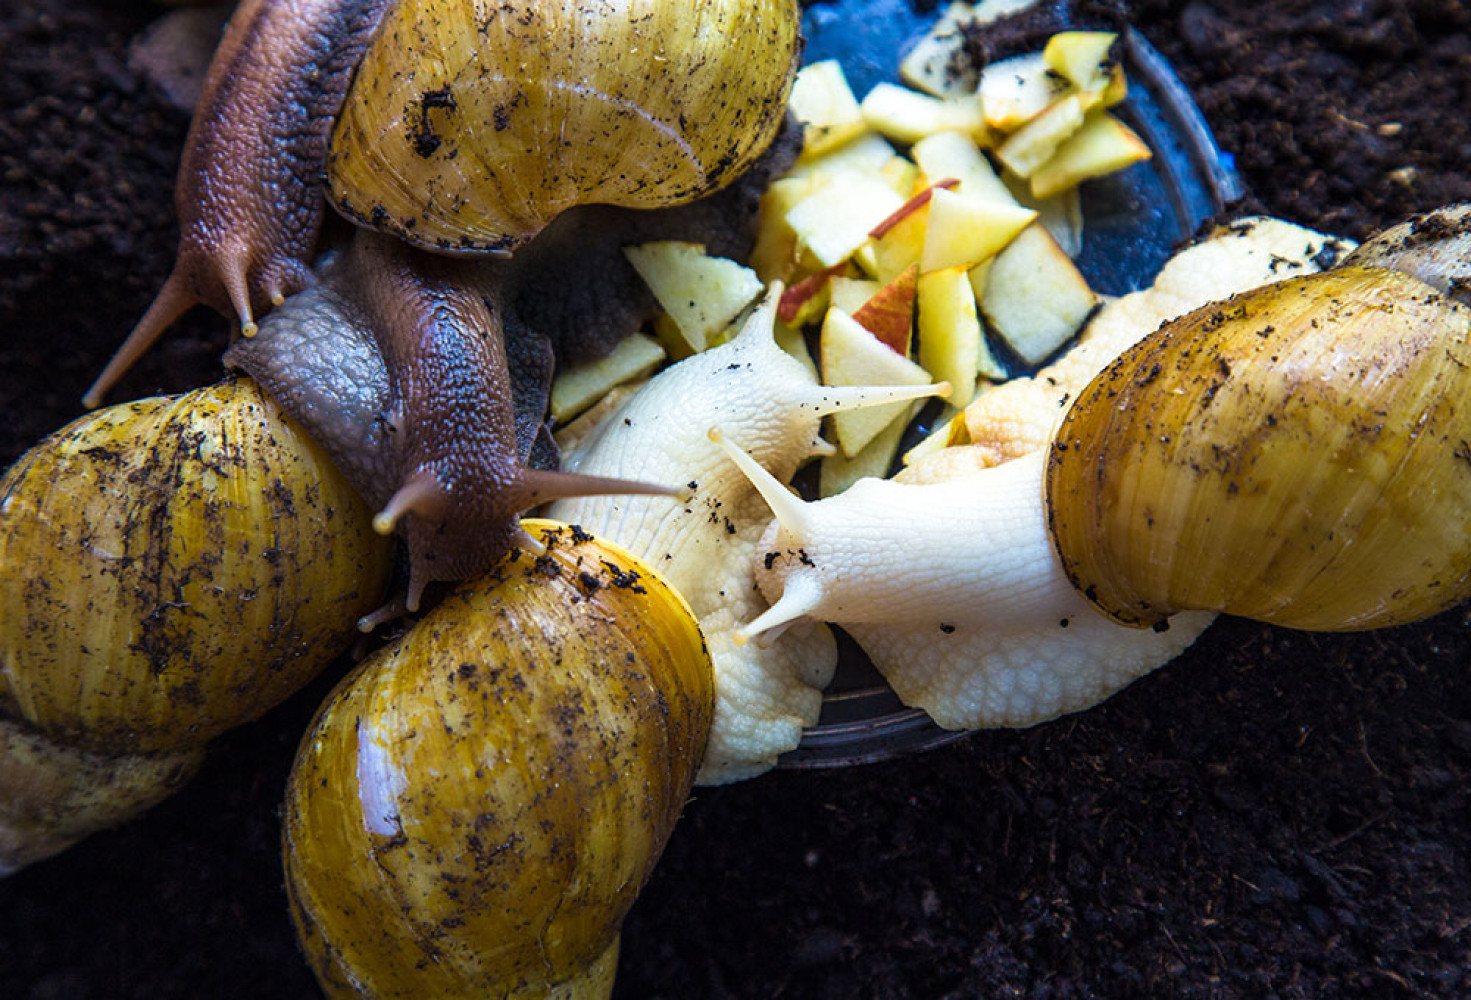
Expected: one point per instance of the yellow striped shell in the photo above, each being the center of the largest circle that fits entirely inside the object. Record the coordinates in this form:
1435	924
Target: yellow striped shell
472	124
172	567
475	808
1300	454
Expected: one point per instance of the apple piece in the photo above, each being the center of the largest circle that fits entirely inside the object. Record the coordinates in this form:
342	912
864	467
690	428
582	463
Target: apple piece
823	102
906	116
865	154
776	254
571	434
1061	213
806	300
1034	143
1102	145
937	63
889	312
962	232
580	386
950	430
950	331
848	294
899	247
837	471
901	175
1035	297
701	294
1082	57
834	220
794	342
914	204
955	154
851	355
1014	91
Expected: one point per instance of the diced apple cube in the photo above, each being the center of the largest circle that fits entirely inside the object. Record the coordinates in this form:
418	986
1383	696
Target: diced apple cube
579	387
1082	57
1101	146
1014	91
955	154
822	100
850	293
702	294
907	116
834	220
950	431
962	231
949	331
889	312
776	253
851	355
866	154
794	342
1034	143
937	63
838	471
1035	297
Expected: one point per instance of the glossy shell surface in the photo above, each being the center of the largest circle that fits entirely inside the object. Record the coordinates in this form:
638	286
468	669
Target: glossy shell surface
471	125
1297	455
476	807
174	567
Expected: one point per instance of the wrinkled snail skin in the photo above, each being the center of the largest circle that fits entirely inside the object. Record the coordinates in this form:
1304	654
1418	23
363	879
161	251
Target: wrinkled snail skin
249	197
474	809
771	404
472	125
172	568
1297	455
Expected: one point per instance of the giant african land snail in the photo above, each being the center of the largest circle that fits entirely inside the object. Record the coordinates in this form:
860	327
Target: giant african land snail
475	808
1297	454
173	567
469	127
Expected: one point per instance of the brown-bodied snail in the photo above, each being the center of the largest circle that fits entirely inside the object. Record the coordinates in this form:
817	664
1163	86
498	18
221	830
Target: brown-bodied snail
1297	454
475	808
173	567
470	127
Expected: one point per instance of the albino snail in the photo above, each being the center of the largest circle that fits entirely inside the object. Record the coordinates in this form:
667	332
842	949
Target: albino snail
1341	388
469	126
475	808
172	568
706	547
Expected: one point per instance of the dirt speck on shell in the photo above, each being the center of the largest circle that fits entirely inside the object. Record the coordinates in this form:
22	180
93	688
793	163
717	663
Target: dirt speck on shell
1273	815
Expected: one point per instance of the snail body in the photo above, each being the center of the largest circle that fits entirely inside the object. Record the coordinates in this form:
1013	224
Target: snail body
933	595
475	808
173	567
641	104
769	402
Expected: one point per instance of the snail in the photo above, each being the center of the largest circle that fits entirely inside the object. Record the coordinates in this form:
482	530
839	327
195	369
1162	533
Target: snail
706	547
172	567
468	129
474	809
1324	408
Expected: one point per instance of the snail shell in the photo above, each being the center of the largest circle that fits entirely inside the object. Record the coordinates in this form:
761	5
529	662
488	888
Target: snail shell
475	808
1298	454
470	126
171	568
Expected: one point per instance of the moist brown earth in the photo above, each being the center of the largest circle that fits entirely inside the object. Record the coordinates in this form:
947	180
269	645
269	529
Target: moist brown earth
1273	815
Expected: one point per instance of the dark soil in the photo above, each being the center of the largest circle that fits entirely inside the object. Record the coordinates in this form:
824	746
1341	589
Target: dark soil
1273	815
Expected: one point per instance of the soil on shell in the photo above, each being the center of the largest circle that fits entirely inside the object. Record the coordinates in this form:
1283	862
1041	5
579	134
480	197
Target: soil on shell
1273	815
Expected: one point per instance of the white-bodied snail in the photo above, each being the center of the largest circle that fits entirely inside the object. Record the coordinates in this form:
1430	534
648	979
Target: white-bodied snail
1354	491
707	546
475	808
172	567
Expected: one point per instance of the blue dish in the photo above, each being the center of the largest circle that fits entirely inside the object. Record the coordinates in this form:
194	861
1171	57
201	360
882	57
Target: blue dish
1133	221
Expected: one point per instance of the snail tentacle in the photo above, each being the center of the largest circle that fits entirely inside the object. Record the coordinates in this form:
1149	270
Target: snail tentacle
249	193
